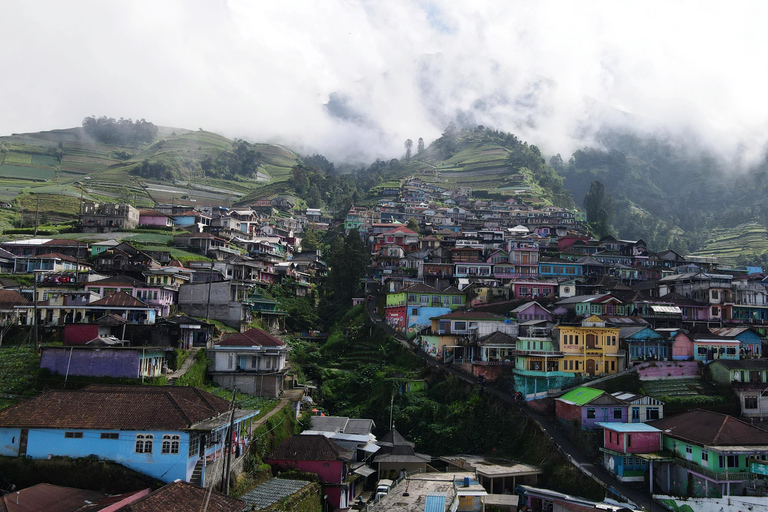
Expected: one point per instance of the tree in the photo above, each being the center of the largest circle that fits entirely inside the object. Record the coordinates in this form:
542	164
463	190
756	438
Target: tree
348	261
413	224
420	146
450	138
310	241
408	147
600	208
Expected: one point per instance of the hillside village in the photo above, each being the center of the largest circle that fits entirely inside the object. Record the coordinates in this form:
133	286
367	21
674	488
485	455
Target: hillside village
515	297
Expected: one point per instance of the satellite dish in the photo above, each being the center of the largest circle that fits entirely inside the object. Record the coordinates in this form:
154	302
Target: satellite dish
611	464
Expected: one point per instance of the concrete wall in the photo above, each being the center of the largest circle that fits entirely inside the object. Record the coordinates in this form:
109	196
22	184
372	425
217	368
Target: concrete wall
259	384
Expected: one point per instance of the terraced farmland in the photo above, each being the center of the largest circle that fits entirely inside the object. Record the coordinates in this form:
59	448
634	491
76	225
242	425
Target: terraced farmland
727	244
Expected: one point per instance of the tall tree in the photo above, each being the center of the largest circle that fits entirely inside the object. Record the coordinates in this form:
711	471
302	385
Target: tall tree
600	208
420	146
348	261
408	147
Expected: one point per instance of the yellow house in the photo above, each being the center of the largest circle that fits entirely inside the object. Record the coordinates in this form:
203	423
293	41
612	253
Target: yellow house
591	348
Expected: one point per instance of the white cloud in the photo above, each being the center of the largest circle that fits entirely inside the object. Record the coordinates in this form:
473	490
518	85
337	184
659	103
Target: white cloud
403	68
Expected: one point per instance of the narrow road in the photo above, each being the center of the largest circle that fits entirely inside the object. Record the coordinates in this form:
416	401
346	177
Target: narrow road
185	366
547	425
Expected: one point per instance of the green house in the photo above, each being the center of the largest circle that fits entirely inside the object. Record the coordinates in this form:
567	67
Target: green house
710	454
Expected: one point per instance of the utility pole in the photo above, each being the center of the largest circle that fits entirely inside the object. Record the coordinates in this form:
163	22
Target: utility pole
37	210
228	444
34	298
208	304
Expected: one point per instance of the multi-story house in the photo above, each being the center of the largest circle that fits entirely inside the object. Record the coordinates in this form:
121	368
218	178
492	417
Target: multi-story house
103	218
590	348
165	432
455	335
161	298
253	361
711	453
622	443
411	309
538	364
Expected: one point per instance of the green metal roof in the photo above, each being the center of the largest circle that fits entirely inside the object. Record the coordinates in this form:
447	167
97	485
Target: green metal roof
582	395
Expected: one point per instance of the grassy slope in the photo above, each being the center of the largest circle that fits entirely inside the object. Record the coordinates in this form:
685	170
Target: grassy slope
101	172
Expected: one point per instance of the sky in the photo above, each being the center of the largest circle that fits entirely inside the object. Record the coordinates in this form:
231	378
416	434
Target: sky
353	79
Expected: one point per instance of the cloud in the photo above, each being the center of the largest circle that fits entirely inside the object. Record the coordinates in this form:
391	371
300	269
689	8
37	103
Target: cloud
354	79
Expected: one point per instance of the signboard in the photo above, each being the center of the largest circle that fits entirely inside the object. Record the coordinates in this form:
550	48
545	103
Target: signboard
758	468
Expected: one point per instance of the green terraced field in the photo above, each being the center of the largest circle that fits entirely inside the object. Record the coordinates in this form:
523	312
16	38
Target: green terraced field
728	244
26	173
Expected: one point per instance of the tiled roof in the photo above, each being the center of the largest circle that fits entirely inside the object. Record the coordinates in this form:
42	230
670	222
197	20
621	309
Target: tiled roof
54	255
120	279
712	429
120	300
50	498
497	338
251	338
314	447
65	241
116	408
470	315
10	298
183	496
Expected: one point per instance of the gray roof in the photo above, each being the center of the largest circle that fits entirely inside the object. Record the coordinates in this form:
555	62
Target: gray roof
272	491
359	426
329	423
743	364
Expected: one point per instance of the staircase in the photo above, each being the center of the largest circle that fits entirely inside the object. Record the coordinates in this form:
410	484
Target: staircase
197	474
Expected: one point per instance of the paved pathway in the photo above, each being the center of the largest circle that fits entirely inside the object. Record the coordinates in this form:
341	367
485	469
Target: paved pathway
549	426
185	366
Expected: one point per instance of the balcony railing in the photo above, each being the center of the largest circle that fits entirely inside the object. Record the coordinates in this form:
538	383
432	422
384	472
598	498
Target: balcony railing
729	476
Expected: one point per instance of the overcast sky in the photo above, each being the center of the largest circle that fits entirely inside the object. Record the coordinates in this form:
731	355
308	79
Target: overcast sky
347	77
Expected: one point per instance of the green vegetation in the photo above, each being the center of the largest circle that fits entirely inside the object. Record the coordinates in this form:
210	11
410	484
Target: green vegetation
196	374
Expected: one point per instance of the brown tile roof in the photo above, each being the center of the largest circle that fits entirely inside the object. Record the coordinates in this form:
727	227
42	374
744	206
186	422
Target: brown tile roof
116	407
309	447
182	496
120	300
251	338
54	255
120	279
51	498
10	298
711	428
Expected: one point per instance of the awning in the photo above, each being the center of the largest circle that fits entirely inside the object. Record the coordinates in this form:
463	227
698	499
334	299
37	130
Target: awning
369	447
364	471
672	310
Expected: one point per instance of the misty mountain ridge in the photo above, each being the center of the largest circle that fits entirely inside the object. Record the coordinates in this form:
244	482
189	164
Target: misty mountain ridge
668	193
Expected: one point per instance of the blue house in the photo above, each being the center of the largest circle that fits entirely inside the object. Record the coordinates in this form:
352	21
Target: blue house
165	432
647	345
750	343
555	267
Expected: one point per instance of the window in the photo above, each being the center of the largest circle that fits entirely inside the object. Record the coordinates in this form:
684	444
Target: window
460	326
750	402
73	435
629	439
652	413
230	361
688	449
170	444
546	269
411	298
730	350
617	413
613	366
732	461
194	445
610	436
705	457
110	435
144	443
590	413
414	311
456	299
424	299
715	294
570	270
702	351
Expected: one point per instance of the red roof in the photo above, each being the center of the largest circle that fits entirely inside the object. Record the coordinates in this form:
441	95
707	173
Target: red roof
116	408
48	497
309	447
251	338
10	298
180	496
401	229
152	213
711	428
55	255
120	300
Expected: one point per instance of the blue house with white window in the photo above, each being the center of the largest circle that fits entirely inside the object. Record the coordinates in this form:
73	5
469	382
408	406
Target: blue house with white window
165	432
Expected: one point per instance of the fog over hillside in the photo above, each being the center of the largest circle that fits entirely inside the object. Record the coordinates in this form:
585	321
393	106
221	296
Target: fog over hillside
354	79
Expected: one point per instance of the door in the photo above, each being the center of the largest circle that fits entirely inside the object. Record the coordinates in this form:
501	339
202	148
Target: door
241	363
635	415
590	366
591	341
23	442
604	414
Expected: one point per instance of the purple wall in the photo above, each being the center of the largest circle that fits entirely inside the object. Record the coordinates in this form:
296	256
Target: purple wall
91	362
602	413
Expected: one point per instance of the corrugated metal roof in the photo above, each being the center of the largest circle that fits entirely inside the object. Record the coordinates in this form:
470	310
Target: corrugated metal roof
272	491
435	502
628	427
582	395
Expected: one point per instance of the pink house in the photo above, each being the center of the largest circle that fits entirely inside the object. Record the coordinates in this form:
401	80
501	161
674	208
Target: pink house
154	218
534	289
621	441
682	346
318	454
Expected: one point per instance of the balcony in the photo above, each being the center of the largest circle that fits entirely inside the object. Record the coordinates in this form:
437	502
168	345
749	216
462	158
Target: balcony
728	476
